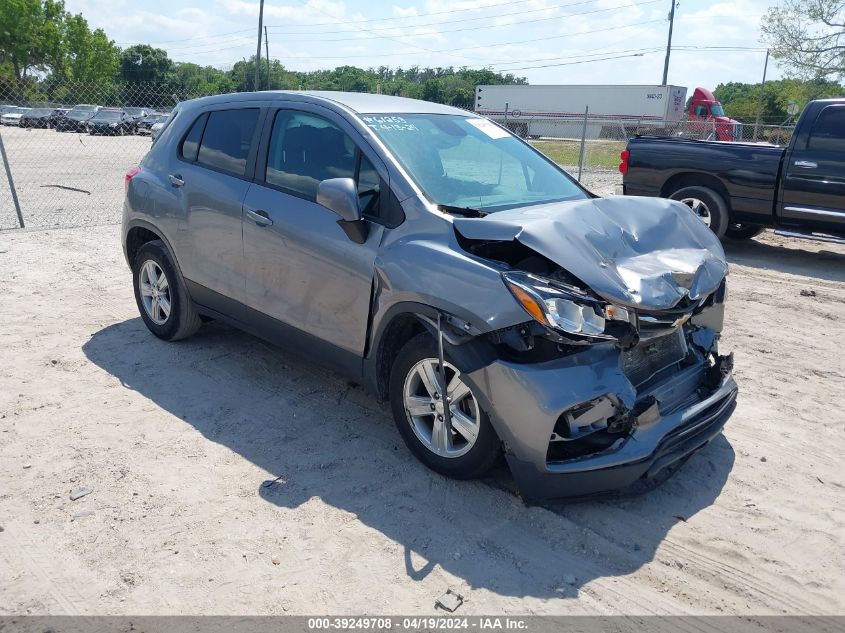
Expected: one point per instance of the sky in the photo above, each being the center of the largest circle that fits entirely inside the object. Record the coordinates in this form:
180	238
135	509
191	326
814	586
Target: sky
546	41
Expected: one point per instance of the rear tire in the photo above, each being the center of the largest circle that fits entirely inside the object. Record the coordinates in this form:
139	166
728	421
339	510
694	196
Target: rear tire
738	231
161	296
473	446
708	205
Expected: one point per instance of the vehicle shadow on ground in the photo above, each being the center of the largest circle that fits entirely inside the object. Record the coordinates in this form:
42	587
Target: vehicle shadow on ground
323	437
823	264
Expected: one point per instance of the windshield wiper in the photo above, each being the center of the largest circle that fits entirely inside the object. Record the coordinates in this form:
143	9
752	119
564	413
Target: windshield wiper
468	212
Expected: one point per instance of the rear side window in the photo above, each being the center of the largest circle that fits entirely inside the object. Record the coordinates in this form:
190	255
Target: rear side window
191	143
828	133
227	138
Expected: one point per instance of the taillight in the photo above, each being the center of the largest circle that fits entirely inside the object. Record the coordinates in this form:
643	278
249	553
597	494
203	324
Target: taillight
129	175
623	166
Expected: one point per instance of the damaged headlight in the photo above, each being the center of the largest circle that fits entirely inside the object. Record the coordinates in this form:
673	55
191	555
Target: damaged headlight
563	307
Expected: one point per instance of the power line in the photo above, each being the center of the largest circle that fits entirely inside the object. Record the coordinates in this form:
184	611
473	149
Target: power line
342	21
195	49
491	26
466	48
475	19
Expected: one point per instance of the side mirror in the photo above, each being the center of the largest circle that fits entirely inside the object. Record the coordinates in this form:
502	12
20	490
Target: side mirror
340	195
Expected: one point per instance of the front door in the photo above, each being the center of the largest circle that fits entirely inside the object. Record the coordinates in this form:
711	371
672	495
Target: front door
301	269
814	177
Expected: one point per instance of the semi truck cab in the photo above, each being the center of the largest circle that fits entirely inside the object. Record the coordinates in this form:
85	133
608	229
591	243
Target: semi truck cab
706	109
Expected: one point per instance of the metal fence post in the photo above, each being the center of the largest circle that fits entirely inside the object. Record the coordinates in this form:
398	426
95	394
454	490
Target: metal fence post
583	142
11	182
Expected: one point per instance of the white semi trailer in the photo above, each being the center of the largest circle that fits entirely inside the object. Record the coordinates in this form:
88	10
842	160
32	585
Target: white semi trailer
535	111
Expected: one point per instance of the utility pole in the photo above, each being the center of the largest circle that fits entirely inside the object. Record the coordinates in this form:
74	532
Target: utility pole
760	100
258	47
267	55
669	44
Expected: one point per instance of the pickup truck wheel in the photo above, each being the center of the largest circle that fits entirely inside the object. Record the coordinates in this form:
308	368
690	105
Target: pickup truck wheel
160	293
471	448
737	231
708	205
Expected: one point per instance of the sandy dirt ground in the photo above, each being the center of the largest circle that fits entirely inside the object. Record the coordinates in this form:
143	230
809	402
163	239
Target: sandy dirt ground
230	478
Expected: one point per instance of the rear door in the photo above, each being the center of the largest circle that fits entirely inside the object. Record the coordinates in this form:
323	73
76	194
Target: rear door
302	270
212	175
813	191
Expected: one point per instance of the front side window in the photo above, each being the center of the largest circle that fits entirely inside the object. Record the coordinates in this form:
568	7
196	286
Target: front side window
828	133
306	149
471	163
227	139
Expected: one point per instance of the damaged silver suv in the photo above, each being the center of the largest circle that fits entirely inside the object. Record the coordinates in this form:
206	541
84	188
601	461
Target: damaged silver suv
434	257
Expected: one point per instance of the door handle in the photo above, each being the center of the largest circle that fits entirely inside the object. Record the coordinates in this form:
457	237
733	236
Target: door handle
259	217
806	164
176	180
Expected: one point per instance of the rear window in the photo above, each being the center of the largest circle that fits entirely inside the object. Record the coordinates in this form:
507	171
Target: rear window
226	141
829	130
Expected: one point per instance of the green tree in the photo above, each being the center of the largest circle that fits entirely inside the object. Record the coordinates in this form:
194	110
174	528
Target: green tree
31	36
91	57
744	101
808	36
143	63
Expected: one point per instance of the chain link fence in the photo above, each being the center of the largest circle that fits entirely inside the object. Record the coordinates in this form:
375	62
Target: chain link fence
66	151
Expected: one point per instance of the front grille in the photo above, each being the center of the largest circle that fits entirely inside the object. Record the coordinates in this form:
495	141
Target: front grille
648	357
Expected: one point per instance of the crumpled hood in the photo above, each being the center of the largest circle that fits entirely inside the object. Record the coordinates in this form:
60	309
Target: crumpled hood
646	253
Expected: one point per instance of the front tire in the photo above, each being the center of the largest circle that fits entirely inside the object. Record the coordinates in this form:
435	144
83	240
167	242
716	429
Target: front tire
708	205
472	447
161	296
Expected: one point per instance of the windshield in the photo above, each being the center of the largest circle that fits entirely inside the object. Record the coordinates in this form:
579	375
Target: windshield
80	112
41	112
717	110
469	162
107	115
152	118
134	111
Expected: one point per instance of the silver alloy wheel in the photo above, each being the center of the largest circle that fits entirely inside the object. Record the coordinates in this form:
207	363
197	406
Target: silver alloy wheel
424	408
155	292
701	210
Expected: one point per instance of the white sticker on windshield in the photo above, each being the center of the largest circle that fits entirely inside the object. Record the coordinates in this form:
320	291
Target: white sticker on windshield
388	123
489	128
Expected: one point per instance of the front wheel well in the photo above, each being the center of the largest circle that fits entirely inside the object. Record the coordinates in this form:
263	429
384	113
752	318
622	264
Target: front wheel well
401	329
680	181
136	238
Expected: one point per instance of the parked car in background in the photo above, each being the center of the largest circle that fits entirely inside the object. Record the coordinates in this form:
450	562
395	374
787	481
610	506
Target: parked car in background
39	117
76	119
13	115
737	189
156	128
113	122
137	114
145	125
452	269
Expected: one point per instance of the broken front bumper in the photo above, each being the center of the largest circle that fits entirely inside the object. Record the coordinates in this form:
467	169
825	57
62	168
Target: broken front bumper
526	401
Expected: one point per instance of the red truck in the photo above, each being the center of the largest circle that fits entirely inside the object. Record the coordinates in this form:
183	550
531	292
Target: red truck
707	117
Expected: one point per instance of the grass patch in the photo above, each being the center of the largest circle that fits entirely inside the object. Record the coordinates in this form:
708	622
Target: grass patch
597	153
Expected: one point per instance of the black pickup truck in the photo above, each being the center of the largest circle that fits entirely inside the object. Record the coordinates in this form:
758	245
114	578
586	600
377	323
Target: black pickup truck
740	188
